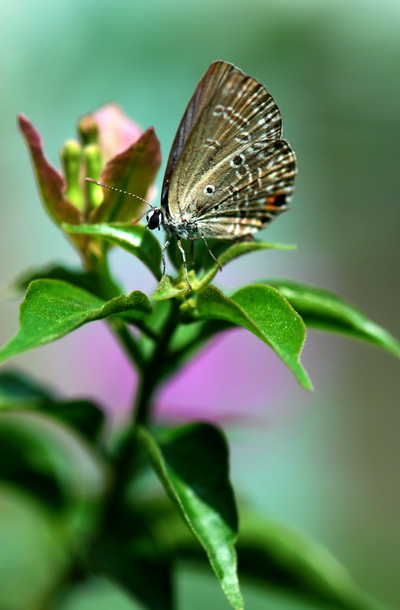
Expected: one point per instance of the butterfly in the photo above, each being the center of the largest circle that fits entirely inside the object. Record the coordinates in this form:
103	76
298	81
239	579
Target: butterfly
229	172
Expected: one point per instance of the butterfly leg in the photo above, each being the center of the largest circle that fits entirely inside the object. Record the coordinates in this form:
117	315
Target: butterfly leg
184	261
212	255
164	266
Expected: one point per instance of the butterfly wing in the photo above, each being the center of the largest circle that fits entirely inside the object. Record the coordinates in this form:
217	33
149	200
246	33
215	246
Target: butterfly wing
210	82
244	172
253	185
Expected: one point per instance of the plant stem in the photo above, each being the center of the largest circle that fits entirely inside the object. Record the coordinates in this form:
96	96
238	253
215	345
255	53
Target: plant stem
107	288
153	370
127	342
151	373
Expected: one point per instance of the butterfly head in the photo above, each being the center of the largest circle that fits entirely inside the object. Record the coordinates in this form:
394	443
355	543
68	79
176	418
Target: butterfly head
154	218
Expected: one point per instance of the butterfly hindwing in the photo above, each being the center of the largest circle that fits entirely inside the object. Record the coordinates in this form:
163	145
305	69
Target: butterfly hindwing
254	185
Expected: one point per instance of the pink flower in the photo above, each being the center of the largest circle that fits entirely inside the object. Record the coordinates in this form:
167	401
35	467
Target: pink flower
116	131
112	149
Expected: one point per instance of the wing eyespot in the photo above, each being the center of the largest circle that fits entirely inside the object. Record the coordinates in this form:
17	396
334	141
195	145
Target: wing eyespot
238	160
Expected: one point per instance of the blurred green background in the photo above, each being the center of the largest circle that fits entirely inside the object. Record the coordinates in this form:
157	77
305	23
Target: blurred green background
326	462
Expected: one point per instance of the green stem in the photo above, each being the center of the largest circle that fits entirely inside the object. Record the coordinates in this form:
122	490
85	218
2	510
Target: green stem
127	341
107	287
140	325
151	373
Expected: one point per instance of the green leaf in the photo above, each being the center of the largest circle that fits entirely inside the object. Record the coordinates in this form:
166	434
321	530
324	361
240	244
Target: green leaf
131	556
33	554
133	171
264	312
279	557
273	556
50	459
167	290
17	391
20	391
88	280
83	415
233	251
53	308
59	470
192	464
136	239
325	310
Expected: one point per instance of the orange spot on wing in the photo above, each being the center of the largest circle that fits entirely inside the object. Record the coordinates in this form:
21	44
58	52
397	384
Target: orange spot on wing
274	202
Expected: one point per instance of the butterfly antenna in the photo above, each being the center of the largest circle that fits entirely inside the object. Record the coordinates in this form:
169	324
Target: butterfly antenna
114	188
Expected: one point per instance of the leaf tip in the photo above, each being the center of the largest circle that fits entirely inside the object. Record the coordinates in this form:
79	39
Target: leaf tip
303	377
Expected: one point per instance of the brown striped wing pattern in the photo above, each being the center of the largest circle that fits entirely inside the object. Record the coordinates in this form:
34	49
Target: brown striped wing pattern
229	172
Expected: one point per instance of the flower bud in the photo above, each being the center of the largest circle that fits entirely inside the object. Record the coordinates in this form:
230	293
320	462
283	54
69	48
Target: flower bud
88	130
71	155
93	167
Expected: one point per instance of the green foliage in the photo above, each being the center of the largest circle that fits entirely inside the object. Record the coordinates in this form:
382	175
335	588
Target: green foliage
133	238
83	497
274	557
192	464
324	310
19	392
53	308
267	314
232	251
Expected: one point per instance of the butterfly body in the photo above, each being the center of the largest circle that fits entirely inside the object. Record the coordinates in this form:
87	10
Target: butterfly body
229	172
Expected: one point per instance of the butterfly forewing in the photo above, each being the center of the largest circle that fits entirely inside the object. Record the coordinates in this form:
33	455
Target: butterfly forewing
210	82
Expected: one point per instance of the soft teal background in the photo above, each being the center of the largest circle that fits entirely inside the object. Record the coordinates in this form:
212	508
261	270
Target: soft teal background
327	462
